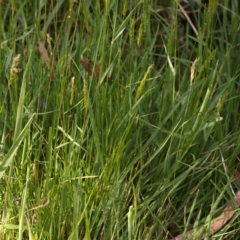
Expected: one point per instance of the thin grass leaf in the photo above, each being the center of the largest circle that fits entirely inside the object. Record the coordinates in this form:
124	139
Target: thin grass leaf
7	160
23	206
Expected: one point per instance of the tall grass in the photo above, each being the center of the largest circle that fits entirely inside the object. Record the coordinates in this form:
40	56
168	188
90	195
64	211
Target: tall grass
146	149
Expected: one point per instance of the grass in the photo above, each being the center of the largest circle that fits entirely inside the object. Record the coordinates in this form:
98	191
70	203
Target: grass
146	149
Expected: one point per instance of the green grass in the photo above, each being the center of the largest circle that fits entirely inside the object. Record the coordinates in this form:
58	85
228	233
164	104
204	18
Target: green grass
144	151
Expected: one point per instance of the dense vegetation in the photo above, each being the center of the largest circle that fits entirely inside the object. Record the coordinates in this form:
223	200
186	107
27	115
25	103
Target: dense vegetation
119	119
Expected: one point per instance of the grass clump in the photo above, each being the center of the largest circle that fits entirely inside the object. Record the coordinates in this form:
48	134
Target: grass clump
119	119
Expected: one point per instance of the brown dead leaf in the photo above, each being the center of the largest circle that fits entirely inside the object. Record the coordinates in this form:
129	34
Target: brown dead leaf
221	220
42	50
88	66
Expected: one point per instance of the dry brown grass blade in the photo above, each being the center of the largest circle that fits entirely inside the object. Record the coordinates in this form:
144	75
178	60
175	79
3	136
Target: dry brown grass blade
88	66
42	50
221	220
188	19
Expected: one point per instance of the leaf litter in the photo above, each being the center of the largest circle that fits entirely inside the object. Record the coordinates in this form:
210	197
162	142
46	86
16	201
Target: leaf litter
93	69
